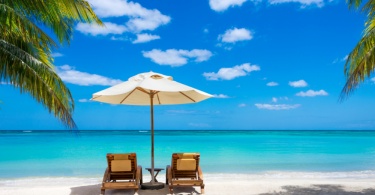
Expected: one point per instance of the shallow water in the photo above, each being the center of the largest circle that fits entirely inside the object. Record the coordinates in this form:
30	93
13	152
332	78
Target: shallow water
62	153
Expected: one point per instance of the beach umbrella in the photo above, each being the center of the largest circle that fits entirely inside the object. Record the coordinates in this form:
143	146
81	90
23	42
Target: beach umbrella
150	88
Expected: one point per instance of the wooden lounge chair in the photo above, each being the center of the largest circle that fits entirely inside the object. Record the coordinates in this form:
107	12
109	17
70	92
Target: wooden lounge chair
122	172
184	171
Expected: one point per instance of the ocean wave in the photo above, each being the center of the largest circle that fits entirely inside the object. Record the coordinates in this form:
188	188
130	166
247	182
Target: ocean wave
271	175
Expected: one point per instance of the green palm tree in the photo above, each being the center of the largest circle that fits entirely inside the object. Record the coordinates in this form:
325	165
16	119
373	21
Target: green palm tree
26	61
360	63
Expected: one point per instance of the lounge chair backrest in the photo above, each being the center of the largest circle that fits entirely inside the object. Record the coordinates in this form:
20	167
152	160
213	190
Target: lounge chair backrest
185	164
122	162
121	165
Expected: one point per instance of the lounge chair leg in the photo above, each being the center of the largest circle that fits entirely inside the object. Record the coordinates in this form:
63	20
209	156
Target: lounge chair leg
202	189
102	192
166	175
170	189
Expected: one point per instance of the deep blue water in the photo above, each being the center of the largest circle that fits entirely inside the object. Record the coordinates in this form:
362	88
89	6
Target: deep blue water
63	153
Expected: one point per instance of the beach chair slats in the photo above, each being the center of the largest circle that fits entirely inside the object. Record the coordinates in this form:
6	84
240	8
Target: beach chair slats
119	185
122	166
131	156
122	172
185	174
188	182
184	171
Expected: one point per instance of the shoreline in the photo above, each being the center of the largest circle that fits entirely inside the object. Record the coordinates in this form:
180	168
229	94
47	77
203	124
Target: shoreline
216	184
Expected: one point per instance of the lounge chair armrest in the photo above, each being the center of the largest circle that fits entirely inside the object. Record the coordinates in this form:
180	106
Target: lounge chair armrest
169	174
139	175
106	174
200	174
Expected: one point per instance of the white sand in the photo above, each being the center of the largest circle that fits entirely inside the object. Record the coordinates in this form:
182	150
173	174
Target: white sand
216	184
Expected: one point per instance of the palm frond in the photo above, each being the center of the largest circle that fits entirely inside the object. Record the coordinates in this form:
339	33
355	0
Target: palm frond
26	72
360	63
59	16
16	26
25	49
354	3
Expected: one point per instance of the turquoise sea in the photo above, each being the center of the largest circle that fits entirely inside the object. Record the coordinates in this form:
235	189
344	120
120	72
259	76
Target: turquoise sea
25	154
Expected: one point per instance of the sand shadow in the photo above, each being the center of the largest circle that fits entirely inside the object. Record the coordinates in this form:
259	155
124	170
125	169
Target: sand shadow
320	190
95	190
185	191
85	190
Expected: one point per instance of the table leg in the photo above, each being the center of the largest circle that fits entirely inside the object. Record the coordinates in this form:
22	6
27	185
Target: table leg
156	175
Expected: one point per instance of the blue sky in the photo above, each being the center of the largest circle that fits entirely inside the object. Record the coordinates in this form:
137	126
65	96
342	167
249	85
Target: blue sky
275	64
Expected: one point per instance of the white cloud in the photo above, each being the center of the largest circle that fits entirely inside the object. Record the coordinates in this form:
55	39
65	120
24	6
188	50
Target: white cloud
110	8
311	93
277	106
373	79
222	5
149	23
283	98
225	46
56	54
84	100
119	38
4	83
272	84
242	105
275	99
140	18
235	35
220	96
337	60
181	111
175	57
304	3
69	75
231	73
300	83
345	58
94	29
143	38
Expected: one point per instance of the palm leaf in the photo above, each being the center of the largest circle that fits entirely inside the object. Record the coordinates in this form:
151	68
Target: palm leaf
360	63
17	26
30	75
57	15
354	3
25	49
361	60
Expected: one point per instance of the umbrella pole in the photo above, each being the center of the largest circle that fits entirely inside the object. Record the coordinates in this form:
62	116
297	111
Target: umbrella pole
152	185
152	136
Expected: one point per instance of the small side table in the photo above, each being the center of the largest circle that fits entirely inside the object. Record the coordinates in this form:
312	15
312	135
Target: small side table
156	172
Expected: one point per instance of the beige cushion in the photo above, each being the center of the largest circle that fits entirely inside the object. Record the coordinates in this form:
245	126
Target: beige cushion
186	164
121	156
186	155
121	165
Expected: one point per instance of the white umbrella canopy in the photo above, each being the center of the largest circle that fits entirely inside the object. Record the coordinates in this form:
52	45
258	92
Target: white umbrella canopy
137	90
150	88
